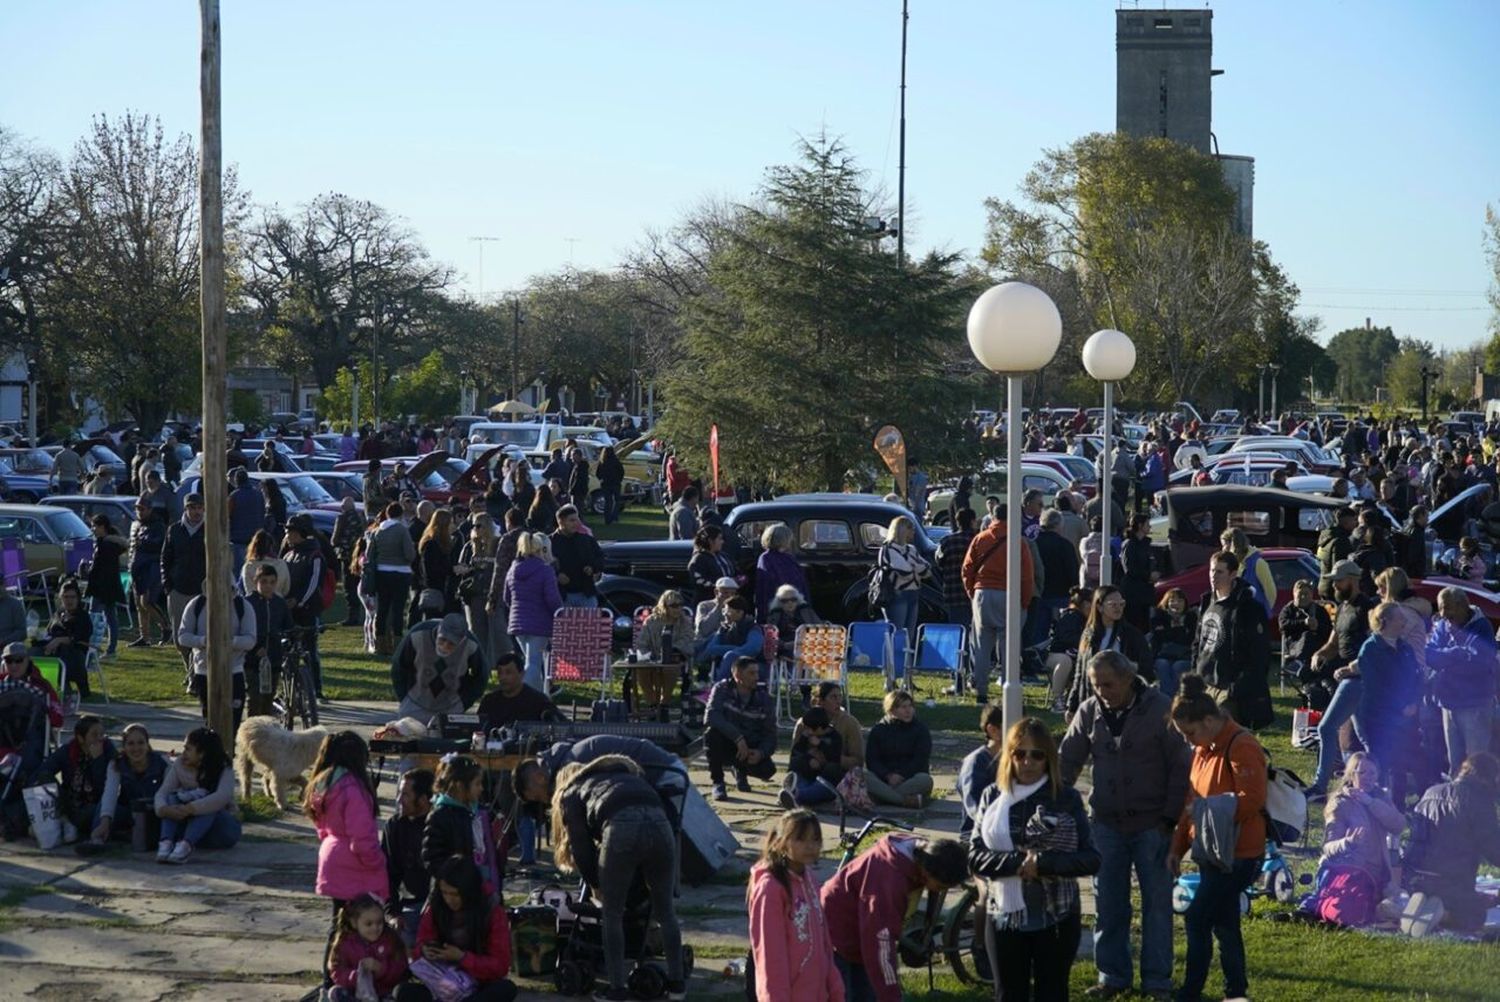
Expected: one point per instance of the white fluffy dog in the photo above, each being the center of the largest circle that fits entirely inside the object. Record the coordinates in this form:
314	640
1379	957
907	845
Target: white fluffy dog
282	755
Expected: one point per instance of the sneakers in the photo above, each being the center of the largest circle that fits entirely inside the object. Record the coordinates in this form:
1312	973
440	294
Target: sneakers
180	853
164	850
719	792
742	782
1421	915
787	801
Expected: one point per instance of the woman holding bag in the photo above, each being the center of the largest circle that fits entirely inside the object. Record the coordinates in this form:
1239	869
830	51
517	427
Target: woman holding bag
1226	759
1031	845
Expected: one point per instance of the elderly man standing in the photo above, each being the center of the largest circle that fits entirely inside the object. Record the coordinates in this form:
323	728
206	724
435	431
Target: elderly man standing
984	572
1461	657
1140	782
438	668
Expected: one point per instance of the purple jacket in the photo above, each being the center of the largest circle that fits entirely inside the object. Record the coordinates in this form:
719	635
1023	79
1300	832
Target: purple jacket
350	861
532	595
1462	661
773	570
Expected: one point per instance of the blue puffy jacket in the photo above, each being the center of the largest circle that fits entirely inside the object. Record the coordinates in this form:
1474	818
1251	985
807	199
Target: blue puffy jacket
1463	661
1391	683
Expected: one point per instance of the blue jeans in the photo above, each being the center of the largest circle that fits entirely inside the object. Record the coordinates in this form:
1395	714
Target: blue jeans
1467	732
219	830
1168	671
533	655
1215	914
902	613
611	505
810	791
1345	701
1145	853
857	987
578	600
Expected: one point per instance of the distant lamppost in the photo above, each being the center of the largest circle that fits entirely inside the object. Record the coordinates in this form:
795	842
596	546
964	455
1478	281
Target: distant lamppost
1013	329
1260	399
1109	356
1275	413
1426	375
31	402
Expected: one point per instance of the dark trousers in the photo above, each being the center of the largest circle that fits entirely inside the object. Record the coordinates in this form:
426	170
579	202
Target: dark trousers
333	930
391	588
306	618
354	613
1033	965
857	986
1215	914
722	751
237	696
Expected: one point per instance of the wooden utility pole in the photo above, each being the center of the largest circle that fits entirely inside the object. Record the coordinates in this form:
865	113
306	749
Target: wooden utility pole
215	342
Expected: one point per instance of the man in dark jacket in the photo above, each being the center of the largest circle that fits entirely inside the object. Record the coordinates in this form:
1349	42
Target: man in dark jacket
579	560
184	566
1060	566
578	479
741	729
1336	542
247	514
950	561
402	843
1140	782
304	559
1337	663
347	530
1231	650
1453	829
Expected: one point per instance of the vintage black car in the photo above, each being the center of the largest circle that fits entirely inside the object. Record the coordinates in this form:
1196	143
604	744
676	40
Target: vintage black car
1269	517
835	539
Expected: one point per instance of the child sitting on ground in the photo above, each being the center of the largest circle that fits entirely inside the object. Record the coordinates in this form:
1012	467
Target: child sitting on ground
1355	868
365	943
816	750
402	842
463	937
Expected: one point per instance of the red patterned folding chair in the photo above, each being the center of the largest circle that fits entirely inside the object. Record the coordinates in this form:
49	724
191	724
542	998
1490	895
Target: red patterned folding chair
581	640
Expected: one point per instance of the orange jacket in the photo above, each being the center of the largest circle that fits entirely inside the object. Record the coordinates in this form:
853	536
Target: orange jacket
1239	768
989	546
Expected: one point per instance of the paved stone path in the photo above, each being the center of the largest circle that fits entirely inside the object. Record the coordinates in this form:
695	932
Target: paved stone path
243	924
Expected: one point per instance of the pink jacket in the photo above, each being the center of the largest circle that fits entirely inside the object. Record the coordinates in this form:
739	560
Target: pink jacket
789	939
350	862
343	966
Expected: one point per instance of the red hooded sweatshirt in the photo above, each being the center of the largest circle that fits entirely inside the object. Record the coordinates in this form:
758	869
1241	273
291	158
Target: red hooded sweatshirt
866	904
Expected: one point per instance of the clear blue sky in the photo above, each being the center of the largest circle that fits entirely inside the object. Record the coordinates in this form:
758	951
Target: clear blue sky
1373	123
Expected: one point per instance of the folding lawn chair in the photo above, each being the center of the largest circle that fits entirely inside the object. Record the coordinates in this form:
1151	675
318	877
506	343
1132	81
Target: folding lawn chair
819	654
25	583
56	674
871	647
581	641
941	647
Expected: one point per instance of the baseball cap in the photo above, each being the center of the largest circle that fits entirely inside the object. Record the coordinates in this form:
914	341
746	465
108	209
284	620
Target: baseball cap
14	649
453	627
193	498
1344	569
302	522
727	582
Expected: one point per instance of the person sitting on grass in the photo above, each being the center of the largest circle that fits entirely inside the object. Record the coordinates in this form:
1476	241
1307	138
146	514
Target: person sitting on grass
196	800
741	728
81	768
1355	869
898	754
1453	829
816	754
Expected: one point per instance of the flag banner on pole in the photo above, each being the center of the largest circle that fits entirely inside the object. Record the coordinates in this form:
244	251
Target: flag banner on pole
892	448
713	456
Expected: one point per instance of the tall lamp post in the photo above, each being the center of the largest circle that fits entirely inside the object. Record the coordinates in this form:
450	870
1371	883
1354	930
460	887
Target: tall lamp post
1275	413
1013	329
1109	356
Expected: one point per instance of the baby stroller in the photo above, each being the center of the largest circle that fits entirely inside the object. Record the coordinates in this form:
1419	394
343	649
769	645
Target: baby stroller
580	948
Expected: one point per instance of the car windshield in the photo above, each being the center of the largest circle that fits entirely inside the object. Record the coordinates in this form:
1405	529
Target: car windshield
502	435
67	525
307	490
31	461
104	454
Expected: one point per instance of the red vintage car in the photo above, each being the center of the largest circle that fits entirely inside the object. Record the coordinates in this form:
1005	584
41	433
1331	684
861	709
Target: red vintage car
1288	566
1480	597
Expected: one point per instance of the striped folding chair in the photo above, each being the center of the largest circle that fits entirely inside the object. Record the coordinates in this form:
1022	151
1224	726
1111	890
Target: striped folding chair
819	654
581	640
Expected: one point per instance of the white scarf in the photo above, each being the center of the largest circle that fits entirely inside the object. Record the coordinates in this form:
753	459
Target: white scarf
994	828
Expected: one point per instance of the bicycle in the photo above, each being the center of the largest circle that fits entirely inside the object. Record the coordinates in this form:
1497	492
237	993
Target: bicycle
294	696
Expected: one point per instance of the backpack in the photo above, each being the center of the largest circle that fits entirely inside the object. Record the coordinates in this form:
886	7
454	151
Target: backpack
1285	812
880	586
328	583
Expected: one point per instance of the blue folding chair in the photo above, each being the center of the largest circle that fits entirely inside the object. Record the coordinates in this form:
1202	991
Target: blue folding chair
942	647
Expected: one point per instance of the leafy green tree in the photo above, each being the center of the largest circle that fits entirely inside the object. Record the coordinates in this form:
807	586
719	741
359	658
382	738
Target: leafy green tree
427	389
1361	354
122	315
31	234
1403	375
1134	233
809	338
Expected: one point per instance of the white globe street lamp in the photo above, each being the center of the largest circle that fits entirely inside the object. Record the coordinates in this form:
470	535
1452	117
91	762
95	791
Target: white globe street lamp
1109	356
1014	328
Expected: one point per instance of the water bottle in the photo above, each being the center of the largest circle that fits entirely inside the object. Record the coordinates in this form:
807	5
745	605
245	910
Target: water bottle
734	968
33	625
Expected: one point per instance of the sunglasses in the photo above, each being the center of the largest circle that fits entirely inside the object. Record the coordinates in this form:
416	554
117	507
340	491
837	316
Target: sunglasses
1034	754
12	660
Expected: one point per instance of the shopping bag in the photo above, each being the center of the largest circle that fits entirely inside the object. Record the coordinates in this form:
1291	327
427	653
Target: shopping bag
447	984
855	794
48	826
364	987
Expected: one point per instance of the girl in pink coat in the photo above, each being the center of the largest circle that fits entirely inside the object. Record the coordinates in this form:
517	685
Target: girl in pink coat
788	934
340	800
